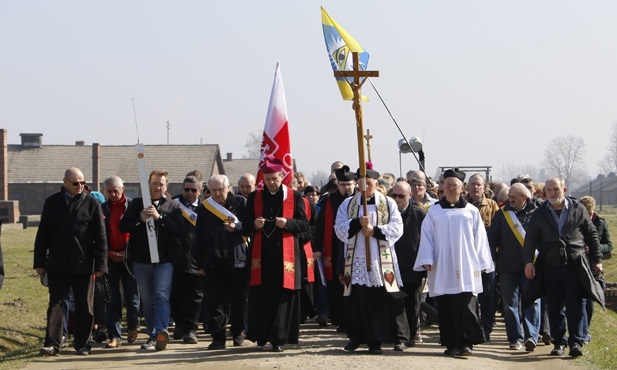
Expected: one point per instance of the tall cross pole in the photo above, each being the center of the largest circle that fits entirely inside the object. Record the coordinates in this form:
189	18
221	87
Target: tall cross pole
368	138
356	86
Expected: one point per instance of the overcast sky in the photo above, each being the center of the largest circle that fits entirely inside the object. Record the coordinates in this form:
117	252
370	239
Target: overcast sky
481	82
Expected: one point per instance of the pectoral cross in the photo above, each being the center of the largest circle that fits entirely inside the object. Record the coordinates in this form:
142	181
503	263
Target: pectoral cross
356	86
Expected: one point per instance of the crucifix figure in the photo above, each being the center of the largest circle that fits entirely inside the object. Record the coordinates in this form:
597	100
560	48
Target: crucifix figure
368	138
358	78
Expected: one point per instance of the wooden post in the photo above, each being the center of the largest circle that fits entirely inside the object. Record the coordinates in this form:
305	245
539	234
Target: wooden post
356	86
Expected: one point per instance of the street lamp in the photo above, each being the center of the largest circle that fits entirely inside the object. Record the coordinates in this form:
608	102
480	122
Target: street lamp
407	146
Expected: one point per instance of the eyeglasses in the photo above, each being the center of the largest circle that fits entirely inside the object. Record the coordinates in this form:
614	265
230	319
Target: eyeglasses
192	190
76	183
400	196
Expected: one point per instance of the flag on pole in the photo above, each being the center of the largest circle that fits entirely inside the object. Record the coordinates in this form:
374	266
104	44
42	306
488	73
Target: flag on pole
340	45
276	140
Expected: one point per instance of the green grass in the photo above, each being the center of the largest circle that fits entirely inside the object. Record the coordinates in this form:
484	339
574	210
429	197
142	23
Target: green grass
23	300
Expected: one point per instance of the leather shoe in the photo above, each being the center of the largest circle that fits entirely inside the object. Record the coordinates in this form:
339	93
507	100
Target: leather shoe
352	345
277	348
400	347
375	350
576	350
113	344
49	351
190	337
131	337
451	352
322	321
178	333
83	351
558	350
546	338
216	345
465	351
238	341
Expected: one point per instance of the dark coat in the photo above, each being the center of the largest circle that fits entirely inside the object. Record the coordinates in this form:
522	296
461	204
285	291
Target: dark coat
217	247
71	237
505	248
407	246
190	252
606	246
168	231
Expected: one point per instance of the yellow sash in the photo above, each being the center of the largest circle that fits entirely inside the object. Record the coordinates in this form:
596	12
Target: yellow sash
515	226
218	213
188	214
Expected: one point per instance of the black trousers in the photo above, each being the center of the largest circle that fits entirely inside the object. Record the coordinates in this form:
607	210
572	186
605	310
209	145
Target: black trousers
187	293
459	324
412	306
60	285
227	291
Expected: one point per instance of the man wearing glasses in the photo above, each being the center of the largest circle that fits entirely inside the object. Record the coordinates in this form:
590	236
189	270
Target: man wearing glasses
71	246
187	291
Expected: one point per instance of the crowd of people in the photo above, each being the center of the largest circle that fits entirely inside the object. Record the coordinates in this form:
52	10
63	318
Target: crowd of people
373	256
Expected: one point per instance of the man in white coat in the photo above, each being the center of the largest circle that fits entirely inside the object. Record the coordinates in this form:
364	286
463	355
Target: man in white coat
454	250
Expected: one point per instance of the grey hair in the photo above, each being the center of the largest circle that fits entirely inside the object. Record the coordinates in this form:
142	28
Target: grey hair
521	188
478	175
113	180
222	178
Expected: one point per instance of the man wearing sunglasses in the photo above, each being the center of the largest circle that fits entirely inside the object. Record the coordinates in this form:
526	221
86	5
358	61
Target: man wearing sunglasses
187	289
71	246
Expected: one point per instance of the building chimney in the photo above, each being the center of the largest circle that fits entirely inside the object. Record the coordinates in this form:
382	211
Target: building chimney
80	143
96	163
32	140
229	157
4	167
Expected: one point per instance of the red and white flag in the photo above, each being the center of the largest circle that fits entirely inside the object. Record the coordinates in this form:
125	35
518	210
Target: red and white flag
276	140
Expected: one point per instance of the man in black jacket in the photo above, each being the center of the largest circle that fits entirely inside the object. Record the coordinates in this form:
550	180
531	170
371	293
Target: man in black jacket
154	278
70	246
559	230
407	251
187	290
223	257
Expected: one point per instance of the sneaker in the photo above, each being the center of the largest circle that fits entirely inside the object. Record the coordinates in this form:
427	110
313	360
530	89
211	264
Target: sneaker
322	321
131	337
515	346
465	351
114	343
49	351
162	339
576	350
530	345
587	338
83	351
149	345
558	350
190	337
546	339
400	347
277	348
65	342
418	339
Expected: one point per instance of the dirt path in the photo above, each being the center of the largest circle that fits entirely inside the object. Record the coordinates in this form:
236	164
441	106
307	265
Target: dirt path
319	349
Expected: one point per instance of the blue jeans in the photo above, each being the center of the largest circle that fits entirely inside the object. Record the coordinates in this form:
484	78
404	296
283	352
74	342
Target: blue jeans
154	283
513	286
119	272
565	300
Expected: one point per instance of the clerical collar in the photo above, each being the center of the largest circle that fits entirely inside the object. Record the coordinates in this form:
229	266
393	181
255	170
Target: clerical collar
370	200
444	203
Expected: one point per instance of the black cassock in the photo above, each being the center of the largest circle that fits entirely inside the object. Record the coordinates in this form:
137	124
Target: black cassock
274	312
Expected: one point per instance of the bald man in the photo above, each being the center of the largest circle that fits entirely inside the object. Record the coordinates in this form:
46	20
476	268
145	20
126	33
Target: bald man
70	246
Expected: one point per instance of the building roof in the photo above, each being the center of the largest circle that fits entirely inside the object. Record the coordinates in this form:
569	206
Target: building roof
46	164
237	167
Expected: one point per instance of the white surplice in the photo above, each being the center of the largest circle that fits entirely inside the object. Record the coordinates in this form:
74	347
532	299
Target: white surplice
454	242
392	231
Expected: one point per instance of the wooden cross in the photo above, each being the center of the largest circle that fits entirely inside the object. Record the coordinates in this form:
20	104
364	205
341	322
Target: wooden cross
356	86
368	138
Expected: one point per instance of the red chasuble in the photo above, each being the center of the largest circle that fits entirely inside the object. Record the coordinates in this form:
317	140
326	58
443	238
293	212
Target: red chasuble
288	243
308	247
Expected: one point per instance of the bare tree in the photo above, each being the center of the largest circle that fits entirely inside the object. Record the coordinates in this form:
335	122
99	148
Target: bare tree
609	163
253	145
564	158
319	178
510	171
